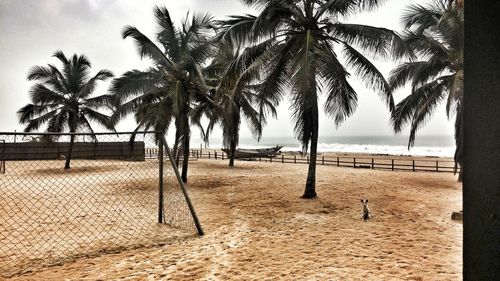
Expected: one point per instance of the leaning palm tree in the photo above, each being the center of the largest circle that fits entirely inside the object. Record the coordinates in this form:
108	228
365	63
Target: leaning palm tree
62	99
175	83
435	32
236	70
304	37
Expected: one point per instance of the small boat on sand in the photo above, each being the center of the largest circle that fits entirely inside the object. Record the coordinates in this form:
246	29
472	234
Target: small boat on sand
255	152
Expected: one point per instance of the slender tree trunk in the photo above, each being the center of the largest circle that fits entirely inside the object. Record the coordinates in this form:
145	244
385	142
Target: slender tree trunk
310	190
232	151
70	151
176	146
185	150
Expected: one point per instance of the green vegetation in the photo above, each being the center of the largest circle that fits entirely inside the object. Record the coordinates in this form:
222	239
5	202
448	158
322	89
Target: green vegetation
62	99
436	34
241	68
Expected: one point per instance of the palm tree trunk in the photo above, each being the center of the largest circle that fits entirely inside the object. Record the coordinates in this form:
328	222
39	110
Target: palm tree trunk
185	159
234	142
70	151
185	150
310	191
176	146
232	151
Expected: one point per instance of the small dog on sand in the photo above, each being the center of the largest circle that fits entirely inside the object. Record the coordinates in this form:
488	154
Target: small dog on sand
366	210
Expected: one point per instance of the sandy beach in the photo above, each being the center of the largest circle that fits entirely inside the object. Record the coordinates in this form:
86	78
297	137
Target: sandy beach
258	228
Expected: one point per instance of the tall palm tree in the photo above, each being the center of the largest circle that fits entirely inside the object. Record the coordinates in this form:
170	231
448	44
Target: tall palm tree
175	83
236	70
62	99
304	36
435	32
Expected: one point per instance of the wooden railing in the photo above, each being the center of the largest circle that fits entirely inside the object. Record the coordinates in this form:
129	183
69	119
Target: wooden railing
379	163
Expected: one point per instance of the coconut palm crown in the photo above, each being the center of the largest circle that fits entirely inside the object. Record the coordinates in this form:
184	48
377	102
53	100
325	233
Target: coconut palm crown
168	90
236	71
435	33
303	59
62	99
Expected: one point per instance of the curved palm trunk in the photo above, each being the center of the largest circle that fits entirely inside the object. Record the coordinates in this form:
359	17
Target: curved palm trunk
310	191
185	149
70	151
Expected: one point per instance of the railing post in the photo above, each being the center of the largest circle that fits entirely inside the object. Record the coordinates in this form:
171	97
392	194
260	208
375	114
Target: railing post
295	159
338	162
215	155
160	183
437	166
222	155
282	158
373	166
209	155
392	164
323	159
413	164
354	163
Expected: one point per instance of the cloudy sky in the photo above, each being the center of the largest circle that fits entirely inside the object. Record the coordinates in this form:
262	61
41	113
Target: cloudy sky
31	31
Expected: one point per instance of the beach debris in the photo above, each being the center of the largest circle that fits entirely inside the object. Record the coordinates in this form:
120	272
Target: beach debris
366	210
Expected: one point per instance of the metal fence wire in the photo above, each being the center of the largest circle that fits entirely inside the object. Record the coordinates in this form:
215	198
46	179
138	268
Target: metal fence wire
113	197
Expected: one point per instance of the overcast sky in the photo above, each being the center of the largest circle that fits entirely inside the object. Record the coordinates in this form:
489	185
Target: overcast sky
31	31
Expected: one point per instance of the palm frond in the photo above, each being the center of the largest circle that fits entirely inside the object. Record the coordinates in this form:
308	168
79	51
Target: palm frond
378	41
369	74
146	47
416	106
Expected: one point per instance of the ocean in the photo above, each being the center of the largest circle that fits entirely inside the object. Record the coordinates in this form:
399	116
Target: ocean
442	146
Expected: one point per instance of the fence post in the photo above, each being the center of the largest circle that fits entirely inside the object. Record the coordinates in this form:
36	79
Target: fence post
413	163
222	155
295	159
215	155
259	158
392	164
437	166
209	155
323	159
183	189
2	158
270	160
354	163
373	166
307	159
282	158
338	162
160	183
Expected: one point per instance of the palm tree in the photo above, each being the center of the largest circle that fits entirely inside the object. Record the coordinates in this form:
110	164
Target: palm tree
236	70
304	37
175	83
435	32
62	99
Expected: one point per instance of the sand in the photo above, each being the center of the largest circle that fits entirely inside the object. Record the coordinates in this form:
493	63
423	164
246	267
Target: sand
258	228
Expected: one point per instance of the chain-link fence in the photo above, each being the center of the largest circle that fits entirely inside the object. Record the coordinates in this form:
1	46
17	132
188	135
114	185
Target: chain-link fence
112	197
